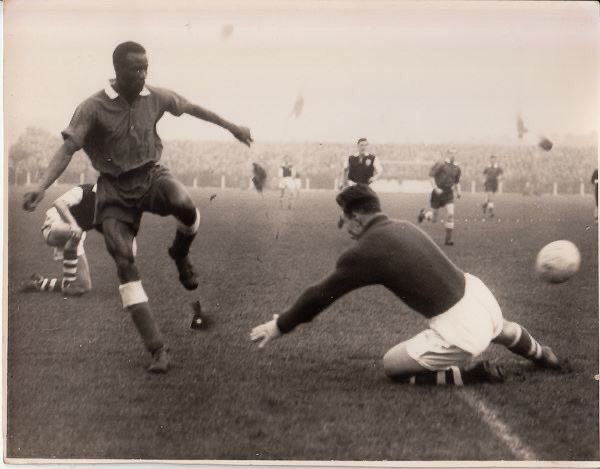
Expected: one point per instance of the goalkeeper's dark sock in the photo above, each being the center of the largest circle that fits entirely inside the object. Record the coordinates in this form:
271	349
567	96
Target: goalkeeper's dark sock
50	284
480	372
451	376
525	345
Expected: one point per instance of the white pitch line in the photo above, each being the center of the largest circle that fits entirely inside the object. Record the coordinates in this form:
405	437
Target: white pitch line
500	429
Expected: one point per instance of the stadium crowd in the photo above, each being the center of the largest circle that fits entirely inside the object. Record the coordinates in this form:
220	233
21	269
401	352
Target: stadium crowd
526	169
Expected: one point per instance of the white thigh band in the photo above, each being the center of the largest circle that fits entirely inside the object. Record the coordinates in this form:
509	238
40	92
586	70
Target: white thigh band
132	293
190	230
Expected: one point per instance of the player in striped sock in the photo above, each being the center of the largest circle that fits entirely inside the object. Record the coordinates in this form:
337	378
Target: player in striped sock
64	229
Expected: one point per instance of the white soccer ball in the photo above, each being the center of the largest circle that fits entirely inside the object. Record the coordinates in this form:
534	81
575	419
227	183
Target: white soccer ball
558	261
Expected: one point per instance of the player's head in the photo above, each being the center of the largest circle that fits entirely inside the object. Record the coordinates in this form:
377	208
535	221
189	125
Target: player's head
131	67
359	204
362	145
493	158
451	154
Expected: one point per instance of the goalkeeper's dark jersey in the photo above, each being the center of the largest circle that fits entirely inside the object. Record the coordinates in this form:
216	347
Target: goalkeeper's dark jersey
395	254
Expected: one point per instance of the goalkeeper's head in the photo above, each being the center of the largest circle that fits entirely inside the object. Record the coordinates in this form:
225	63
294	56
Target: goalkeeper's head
359	205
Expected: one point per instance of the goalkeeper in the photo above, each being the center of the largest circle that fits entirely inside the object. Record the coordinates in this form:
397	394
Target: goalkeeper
464	317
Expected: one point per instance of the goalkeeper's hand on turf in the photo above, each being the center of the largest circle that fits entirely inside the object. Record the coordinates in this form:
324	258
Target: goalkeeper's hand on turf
265	332
437	190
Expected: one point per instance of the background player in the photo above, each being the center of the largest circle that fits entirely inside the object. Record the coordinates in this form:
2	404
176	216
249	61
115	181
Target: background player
445	179
493	174
64	229
464	317
287	182
360	168
595	183
117	129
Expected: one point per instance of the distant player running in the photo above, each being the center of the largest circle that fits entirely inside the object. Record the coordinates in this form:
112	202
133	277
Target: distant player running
360	168
464	317
445	179
287	182
595	183
493	174
117	129
65	226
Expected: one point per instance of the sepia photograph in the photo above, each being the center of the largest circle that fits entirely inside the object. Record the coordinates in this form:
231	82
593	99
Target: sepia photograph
308	232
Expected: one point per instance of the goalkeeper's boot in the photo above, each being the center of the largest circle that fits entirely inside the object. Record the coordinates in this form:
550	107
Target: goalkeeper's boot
32	284
187	272
160	361
549	359
421	215
484	372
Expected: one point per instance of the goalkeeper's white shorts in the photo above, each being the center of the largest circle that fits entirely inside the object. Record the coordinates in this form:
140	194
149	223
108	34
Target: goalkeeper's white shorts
461	333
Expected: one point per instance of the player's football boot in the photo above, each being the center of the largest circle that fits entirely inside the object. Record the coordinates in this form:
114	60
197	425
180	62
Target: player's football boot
549	359
187	272
484	207
72	289
32	284
449	243
421	215
485	372
160	361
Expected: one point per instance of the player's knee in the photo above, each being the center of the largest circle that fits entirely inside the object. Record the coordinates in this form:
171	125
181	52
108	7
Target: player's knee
509	333
393	364
183	207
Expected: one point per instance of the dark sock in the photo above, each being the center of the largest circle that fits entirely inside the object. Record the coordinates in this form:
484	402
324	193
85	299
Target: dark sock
146	326
181	244
449	234
452	377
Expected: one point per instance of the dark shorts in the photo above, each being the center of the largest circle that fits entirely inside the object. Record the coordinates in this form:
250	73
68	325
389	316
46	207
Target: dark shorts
441	200
491	186
128	196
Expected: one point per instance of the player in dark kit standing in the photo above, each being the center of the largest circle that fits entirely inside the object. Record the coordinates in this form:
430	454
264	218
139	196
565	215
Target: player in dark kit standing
493	174
595	183
463	315
360	168
117	129
445	179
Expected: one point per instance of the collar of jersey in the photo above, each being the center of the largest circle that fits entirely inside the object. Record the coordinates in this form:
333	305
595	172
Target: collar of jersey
112	93
374	221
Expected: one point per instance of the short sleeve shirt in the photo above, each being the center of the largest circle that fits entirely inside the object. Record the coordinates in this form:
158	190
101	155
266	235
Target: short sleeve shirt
446	174
119	137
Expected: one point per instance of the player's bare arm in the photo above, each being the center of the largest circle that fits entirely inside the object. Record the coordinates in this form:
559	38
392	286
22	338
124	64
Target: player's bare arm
377	171
239	132
59	162
314	300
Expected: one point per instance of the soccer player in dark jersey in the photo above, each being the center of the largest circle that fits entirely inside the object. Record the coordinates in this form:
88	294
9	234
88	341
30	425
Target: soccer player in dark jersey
287	182
65	226
117	129
493	174
445	179
463	315
595	183
360	168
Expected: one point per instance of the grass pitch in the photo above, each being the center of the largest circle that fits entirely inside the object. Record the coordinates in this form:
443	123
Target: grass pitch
77	386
